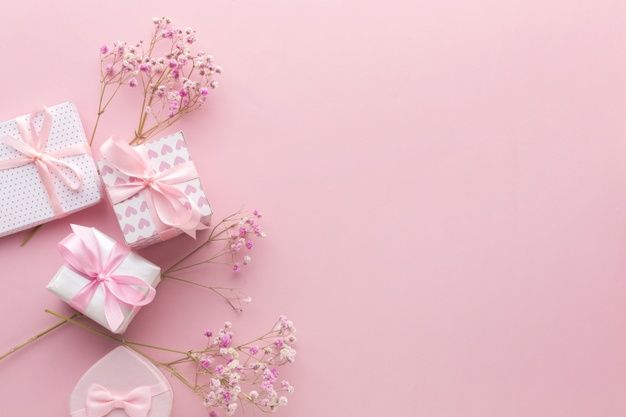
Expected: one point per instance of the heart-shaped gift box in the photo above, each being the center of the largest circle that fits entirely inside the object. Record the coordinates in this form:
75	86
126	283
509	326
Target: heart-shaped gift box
122	384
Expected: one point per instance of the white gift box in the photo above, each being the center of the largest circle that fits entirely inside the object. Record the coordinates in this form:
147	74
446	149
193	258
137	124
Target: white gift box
68	282
24	200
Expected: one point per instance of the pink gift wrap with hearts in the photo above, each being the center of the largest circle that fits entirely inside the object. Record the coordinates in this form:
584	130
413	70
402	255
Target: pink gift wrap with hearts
154	189
122	384
102	279
46	168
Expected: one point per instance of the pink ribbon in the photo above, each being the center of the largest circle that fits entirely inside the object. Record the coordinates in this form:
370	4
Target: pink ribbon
32	147
82	251
101	402
135	403
172	207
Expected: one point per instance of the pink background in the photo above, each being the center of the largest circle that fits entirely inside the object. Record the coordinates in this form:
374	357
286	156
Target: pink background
444	189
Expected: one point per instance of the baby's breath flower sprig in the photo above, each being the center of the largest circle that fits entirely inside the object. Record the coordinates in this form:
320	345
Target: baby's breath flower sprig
225	375
174	79
238	233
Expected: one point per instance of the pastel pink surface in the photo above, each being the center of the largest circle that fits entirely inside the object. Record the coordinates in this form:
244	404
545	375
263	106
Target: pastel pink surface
443	183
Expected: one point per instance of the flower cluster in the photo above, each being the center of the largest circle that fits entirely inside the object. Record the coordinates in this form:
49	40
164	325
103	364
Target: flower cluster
239	231
241	237
174	78
231	374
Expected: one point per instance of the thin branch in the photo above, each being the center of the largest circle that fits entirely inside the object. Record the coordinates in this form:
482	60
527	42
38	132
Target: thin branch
37	337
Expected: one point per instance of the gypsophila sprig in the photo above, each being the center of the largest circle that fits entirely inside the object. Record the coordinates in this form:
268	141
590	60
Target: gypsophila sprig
230	374
174	79
235	237
238	233
225	375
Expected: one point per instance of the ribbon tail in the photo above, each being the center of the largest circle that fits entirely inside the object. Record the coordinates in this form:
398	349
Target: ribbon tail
195	222
112	311
55	164
175	209
81	300
46	179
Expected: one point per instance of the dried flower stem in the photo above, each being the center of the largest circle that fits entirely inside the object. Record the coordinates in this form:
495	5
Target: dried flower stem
235	301
30	234
37	337
131	345
101	110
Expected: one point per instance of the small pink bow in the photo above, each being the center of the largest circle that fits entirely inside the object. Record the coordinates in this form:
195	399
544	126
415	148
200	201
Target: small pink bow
83	252
171	205
32	146
100	401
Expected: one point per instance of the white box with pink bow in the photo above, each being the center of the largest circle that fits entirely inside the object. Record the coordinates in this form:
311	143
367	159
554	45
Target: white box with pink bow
46	168
154	188
103	279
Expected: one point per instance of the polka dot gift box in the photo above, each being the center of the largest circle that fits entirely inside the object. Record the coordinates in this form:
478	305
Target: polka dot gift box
154	188
46	168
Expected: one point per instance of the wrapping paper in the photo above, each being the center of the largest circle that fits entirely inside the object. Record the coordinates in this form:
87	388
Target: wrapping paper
67	283
119	372
134	216
24	202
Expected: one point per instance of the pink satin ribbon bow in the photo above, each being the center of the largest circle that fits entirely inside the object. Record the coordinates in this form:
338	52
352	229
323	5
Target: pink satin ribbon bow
32	147
83	252
171	206
100	401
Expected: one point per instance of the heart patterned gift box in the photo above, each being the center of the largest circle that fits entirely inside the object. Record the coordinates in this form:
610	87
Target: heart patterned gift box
154	189
46	168
122	384
102	279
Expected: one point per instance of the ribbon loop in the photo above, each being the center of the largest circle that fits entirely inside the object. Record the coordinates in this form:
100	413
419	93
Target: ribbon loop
170	206
32	148
83	253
